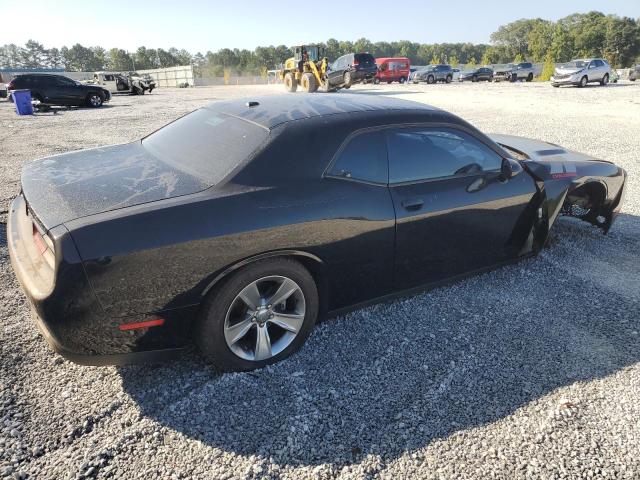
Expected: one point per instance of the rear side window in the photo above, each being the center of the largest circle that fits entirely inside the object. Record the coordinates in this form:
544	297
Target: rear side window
365	58
363	158
206	144
424	154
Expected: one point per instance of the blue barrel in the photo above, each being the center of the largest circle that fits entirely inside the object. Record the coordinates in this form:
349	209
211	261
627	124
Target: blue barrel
22	100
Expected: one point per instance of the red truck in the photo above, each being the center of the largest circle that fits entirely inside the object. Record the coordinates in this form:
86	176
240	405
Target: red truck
392	69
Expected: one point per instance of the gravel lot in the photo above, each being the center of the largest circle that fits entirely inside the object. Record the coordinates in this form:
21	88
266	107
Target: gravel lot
531	371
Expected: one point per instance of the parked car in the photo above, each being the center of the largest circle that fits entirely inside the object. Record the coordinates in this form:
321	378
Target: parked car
393	69
247	245
581	72
477	75
513	73
51	89
433	74
129	82
350	69
634	74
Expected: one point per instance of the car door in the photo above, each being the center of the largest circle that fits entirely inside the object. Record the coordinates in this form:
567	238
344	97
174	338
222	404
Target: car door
335	73
455	212
361	264
67	91
592	71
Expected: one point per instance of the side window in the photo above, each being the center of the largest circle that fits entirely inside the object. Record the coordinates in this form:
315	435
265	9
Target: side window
599	63
423	154
363	158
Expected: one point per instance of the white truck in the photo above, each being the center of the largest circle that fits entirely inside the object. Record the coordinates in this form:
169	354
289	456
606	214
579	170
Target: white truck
128	82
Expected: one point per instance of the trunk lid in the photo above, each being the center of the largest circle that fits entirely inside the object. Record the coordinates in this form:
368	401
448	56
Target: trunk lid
73	185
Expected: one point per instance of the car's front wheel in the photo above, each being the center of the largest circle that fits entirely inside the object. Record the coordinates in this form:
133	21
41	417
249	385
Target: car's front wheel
431	79
376	81
347	79
605	79
94	100
260	315
583	81
402	80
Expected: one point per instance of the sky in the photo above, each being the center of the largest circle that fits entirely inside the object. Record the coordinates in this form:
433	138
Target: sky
199	26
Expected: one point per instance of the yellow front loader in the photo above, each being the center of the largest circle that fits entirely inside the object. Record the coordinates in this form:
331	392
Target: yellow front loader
307	68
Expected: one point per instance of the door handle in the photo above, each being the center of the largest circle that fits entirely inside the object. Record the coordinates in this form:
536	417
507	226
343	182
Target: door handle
413	204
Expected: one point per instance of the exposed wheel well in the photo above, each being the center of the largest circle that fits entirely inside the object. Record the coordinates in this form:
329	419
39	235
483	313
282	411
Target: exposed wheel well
586	202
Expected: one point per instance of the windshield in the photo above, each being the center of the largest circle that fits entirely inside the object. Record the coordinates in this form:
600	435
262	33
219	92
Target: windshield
206	144
576	64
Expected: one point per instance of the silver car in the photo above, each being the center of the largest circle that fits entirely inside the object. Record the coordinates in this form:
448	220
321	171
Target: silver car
433	74
581	72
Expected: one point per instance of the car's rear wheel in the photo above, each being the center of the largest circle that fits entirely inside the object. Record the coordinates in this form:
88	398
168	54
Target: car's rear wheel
94	100
376	81
530	77
402	80
431	79
259	316
583	82
290	82
605	79
474	79
448	79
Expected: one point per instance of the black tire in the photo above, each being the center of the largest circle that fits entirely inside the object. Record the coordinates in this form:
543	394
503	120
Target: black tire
583	82
514	77
347	79
474	79
308	82
376	81
604	80
290	83
448	79
530	77
402	80
210	332
431	79
94	100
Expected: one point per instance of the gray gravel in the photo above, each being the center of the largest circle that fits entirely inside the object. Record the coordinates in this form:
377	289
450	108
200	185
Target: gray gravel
531	371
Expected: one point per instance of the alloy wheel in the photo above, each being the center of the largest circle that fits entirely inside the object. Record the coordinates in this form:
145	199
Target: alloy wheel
264	318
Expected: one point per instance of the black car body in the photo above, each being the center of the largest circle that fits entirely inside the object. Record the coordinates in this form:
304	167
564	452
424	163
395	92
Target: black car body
3	90
634	74
477	75
119	248
350	69
60	90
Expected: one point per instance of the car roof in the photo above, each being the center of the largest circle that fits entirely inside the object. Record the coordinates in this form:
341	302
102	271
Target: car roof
273	110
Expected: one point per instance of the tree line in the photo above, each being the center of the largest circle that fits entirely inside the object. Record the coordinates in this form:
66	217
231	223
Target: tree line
579	35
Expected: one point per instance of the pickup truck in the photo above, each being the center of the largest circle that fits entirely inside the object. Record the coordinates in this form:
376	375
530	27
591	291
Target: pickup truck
130	82
513	72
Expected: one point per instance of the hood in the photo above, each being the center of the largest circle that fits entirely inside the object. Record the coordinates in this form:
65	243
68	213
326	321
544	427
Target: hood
65	187
538	150
568	71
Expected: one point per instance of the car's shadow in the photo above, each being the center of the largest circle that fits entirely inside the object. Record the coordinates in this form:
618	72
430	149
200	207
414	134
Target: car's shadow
395	377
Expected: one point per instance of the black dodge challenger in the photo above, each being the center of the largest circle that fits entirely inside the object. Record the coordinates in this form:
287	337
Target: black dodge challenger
239	224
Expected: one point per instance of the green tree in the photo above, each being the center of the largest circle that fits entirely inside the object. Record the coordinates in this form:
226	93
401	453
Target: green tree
547	69
518	58
471	63
453	61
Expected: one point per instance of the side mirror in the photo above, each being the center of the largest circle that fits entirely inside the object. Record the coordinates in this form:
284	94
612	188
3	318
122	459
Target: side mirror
506	172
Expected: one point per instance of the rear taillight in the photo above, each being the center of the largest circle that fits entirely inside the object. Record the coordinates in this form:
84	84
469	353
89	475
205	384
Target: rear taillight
356	63
44	245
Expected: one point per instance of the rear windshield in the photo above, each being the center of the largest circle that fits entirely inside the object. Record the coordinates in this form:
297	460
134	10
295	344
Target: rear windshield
364	58
206	144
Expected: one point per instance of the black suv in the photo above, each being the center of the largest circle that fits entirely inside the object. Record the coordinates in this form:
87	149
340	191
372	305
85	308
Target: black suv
60	90
350	69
